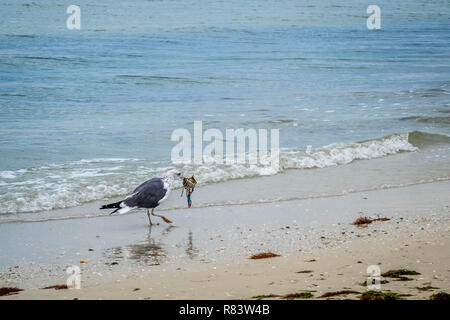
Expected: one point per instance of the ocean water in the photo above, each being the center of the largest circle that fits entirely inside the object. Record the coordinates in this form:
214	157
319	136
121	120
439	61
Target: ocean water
87	114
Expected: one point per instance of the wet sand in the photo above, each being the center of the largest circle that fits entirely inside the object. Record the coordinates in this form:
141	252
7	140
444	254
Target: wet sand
204	255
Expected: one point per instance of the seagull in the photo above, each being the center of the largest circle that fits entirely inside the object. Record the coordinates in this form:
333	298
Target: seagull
147	195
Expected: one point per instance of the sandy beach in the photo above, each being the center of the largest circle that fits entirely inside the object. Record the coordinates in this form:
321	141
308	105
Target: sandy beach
319	272
206	256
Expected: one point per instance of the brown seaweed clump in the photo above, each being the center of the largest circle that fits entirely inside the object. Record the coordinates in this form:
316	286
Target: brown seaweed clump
299	295
338	293
265	296
379	295
362	221
399	274
364	284
426	288
304	271
57	287
264	255
440	296
9	291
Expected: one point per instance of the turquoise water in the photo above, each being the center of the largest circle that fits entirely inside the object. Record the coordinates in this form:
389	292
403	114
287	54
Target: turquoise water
87	114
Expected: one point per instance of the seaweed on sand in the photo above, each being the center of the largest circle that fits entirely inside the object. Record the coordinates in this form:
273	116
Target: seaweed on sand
9	291
379	295
264	255
265	296
304	271
299	295
57	287
362	221
440	296
399	274
364	284
426	288
338	293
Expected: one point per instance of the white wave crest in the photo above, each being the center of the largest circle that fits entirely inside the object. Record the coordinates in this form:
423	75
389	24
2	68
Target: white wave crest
77	182
344	153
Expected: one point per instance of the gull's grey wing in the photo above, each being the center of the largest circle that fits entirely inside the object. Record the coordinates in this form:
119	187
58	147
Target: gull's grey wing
147	194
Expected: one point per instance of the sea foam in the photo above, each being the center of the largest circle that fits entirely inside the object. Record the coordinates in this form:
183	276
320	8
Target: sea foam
70	184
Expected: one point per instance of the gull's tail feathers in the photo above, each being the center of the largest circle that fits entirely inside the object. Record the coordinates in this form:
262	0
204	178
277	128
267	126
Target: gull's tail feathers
112	205
116	205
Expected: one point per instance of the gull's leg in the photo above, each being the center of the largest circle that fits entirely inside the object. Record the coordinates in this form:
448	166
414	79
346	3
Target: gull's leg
148	215
162	217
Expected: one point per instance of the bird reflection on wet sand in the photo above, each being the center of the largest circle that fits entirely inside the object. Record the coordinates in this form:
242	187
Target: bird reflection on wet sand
149	252
191	251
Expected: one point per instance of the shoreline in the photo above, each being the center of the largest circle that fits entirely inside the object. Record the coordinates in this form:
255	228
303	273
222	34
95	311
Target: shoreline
205	255
394	171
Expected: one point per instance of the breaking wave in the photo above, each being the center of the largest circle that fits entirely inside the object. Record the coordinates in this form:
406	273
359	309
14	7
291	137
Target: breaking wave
57	186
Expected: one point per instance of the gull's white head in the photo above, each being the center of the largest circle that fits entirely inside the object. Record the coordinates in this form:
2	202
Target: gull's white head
171	175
